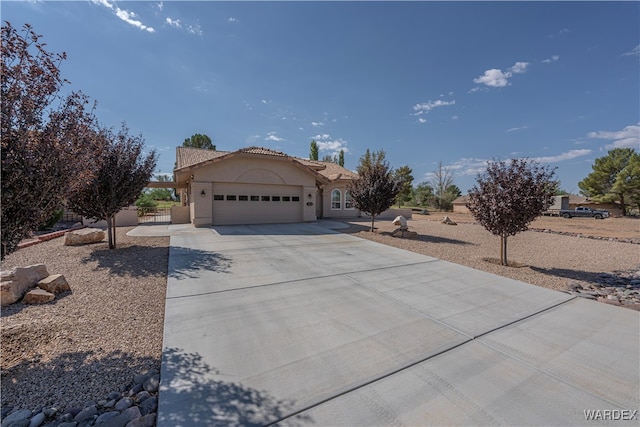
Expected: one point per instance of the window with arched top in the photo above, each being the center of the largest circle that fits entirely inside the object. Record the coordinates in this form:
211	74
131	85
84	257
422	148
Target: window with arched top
336	199
348	203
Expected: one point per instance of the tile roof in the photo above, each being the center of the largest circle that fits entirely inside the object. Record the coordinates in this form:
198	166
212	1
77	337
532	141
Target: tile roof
187	156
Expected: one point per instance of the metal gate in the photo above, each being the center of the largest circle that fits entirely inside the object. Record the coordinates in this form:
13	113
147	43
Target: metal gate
154	215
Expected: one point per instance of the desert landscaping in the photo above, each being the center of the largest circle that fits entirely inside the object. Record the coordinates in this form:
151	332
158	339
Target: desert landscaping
92	341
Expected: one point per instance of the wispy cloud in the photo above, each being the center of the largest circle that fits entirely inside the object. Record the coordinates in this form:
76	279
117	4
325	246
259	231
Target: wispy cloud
173	22
633	52
499	78
554	58
125	15
194	29
317	124
422	120
517	128
629	137
327	143
572	154
425	107
160	6
232	19
271	136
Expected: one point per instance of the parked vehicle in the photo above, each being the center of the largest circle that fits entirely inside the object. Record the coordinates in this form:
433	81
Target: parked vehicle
583	212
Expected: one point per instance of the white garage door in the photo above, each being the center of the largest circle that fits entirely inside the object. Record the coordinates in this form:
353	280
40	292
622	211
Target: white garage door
256	204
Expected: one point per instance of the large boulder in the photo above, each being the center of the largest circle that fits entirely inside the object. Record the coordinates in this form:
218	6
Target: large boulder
38	296
401	221
83	236
56	283
15	282
448	221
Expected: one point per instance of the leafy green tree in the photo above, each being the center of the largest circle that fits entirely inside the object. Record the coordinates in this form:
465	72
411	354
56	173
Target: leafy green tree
122	171
45	136
329	158
422	194
145	204
441	182
628	182
375	190
313	150
604	185
341	158
507	197
199	141
404	178
369	159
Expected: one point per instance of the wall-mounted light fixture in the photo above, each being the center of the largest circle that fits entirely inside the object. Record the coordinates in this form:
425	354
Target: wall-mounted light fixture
310	195
203	194
191	177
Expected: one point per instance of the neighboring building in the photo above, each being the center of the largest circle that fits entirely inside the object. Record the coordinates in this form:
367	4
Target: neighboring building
460	204
260	186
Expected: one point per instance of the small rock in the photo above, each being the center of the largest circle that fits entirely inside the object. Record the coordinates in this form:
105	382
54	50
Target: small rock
55	283
142	396
144	421
114	395
20	423
37	420
19	415
68	424
50	412
38	296
110	404
107	416
448	221
123	403
87	412
152	383
135	389
149	405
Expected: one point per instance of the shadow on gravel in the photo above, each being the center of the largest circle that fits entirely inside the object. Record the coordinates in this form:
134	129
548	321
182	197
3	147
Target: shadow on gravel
134	260
78	376
357	228
190	396
605	279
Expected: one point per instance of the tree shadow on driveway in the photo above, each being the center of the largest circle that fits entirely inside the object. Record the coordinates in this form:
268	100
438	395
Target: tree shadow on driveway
191	395
614	279
187	262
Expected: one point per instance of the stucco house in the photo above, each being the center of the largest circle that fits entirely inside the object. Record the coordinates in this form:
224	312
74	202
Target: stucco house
257	185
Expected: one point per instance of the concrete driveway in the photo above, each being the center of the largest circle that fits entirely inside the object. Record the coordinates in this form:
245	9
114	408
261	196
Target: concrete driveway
298	324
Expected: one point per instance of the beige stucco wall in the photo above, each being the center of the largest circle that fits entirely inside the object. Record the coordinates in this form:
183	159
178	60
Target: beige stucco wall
180	215
127	217
327	212
247	170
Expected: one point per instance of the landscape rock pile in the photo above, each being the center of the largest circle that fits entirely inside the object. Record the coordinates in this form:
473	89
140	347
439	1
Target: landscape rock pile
21	282
618	288
135	406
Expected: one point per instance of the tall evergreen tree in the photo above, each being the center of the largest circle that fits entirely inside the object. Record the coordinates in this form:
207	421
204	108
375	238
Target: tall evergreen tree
404	178
313	150
341	158
198	140
613	177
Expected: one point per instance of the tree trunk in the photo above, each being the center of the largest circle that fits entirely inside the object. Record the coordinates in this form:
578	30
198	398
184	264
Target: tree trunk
503	250
113	230
623	207
373	218
109	233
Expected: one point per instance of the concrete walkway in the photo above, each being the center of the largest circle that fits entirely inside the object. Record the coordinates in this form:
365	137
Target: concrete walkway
300	325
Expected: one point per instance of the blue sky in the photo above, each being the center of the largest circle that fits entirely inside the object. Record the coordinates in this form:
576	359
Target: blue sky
452	82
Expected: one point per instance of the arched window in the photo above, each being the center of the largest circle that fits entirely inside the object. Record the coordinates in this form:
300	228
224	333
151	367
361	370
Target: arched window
348	204
336	199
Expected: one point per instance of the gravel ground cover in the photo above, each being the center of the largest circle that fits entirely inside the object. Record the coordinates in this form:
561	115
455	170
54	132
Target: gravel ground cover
94	340
546	258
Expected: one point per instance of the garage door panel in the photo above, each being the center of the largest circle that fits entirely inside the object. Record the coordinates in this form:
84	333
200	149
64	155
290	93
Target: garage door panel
256	204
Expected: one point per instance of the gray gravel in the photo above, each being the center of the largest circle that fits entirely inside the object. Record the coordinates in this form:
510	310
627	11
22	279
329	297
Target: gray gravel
94	339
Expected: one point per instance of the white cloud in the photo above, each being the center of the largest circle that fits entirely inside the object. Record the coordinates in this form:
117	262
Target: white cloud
572	154
271	136
327	143
455	117
517	128
194	29
125	15
633	52
499	78
554	58
173	22
160	6
628	137
422	120
317	124
425	107
232	19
